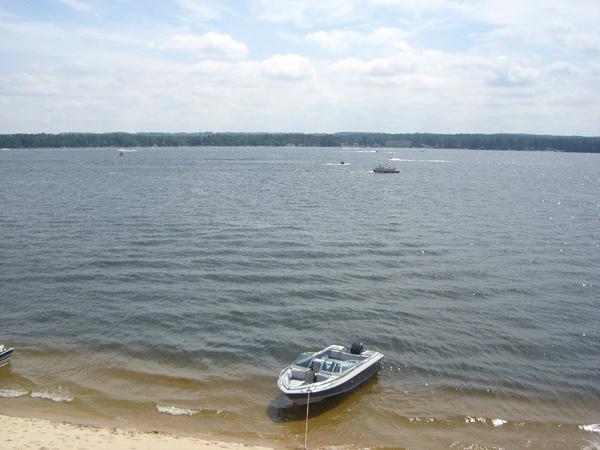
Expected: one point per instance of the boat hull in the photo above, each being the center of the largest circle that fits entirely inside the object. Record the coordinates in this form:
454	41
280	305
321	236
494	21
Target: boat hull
347	386
5	356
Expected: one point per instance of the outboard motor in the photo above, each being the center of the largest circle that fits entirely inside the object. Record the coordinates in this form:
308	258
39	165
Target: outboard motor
356	348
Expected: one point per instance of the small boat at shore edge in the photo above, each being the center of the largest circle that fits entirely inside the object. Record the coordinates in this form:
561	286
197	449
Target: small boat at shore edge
5	354
329	372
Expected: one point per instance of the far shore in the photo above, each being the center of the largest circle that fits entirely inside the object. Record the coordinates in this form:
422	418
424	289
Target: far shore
19	433
348	140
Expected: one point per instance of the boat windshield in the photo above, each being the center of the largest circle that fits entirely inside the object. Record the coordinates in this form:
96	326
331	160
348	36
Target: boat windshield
327	366
344	366
338	367
304	359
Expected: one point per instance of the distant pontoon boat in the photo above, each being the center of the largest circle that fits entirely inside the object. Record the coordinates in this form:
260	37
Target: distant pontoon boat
383	169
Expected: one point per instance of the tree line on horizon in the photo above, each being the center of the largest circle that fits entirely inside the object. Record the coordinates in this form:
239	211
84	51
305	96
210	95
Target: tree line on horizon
348	139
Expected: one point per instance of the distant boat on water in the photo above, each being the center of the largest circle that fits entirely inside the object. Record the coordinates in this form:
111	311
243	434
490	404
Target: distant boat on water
383	169
123	150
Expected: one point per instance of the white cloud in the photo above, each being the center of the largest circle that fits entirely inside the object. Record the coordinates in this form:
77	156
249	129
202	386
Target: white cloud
372	68
389	68
560	69
288	66
209	45
78	5
201	9
531	13
113	37
392	38
572	39
303	13
212	68
335	40
414	5
514	75
385	39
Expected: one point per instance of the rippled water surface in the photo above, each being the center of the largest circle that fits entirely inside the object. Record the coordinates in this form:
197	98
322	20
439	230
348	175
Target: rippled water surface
167	288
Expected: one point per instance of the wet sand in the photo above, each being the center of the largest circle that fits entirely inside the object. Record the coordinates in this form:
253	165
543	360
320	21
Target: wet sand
22	433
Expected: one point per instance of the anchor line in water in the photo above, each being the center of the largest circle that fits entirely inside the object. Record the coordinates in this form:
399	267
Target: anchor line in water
306	425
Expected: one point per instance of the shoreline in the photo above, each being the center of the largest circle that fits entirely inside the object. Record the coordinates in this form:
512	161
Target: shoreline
21	432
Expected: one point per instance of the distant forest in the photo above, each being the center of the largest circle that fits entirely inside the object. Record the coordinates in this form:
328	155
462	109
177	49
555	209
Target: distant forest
416	140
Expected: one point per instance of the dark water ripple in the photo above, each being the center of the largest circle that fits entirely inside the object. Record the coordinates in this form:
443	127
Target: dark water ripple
478	277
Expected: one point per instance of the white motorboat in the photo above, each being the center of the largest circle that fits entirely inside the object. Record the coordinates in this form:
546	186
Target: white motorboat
5	354
332	371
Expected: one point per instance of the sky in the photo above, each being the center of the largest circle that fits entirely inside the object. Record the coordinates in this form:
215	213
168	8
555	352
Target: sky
440	66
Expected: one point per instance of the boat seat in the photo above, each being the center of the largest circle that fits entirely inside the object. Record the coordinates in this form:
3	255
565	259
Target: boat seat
321	377
342	356
335	354
298	373
316	364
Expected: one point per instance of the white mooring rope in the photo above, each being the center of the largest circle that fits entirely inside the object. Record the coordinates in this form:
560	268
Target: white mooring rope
306	427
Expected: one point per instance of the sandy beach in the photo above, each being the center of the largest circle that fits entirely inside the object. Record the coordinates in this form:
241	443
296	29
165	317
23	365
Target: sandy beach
25	433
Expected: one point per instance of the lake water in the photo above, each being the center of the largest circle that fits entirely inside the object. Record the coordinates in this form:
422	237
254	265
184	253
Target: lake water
166	289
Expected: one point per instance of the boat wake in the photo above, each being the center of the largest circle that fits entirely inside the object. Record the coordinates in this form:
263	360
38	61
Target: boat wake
421	160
